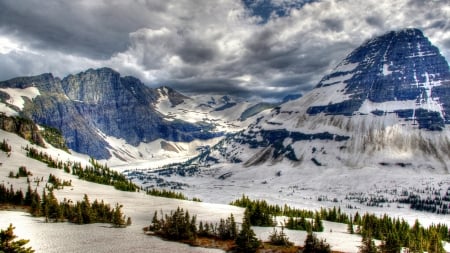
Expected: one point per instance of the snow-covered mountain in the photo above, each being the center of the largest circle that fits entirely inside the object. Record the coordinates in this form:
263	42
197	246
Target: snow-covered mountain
107	116
386	104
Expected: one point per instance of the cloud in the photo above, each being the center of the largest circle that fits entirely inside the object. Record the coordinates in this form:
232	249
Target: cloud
202	45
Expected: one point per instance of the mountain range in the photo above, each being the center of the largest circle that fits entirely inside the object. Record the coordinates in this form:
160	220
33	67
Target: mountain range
387	103
91	106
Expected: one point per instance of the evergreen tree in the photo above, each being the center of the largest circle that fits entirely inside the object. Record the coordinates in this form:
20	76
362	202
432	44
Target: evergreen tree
233	228
391	244
8	244
279	239
318	226
350	226
435	242
246	240
314	245
156	225
86	210
118	219
368	245
35	207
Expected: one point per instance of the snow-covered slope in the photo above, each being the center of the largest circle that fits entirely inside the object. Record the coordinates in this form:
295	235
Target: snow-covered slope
387	104
218	112
58	237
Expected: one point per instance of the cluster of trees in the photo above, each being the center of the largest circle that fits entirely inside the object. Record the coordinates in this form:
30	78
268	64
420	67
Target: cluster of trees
57	182
279	239
262	214
314	245
170	194
303	224
10	244
10	196
396	233
81	212
259	211
166	194
438	204
5	147
180	226
96	173
22	172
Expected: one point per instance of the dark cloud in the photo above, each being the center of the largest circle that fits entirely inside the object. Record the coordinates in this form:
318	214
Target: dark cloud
335	25
375	21
211	86
195	51
95	31
251	47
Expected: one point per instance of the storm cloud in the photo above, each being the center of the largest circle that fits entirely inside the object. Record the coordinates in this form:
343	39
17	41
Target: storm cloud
266	48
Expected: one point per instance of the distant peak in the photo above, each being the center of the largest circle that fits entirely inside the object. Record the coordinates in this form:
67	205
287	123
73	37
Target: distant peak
400	67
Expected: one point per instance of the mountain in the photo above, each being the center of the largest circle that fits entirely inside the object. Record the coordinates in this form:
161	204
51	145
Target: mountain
104	115
386	104
93	104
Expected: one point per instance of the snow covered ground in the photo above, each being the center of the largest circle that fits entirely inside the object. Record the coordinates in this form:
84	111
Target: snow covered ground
59	237
299	188
282	183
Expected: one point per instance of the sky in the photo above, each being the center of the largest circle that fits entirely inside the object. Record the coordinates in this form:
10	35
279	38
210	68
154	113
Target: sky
251	48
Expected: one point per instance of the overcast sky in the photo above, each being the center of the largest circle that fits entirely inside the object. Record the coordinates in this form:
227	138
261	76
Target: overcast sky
265	48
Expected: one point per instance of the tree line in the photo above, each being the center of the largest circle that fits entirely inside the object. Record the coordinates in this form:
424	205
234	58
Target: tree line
393	233
47	206
179	225
96	172
397	233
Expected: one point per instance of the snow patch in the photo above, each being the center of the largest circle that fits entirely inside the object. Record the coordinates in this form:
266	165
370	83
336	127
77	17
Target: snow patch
386	70
8	111
16	95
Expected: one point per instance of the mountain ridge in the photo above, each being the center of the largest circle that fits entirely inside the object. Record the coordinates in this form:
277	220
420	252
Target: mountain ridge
363	113
105	115
88	105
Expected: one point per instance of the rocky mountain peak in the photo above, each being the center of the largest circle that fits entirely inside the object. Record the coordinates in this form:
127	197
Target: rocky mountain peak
386	104
92	85
397	66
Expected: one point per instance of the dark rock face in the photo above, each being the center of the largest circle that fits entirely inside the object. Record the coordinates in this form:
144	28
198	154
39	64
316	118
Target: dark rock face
397	66
94	103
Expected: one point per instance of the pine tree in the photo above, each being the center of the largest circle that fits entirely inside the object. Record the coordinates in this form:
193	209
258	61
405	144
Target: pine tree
391	244
86	210
350	226
279	239
318	226
435	242
156	225
9	245
233	228
118	219
314	245
368	245
246	240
